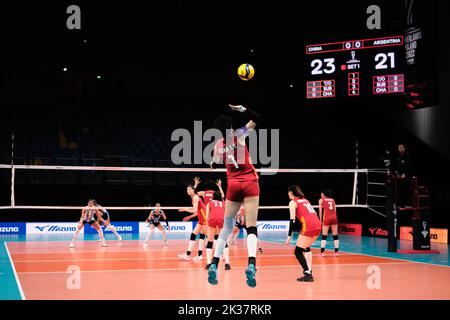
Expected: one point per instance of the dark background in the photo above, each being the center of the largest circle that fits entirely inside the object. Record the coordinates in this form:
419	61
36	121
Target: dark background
164	64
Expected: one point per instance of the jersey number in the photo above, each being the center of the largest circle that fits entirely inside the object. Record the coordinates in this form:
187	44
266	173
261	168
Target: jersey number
309	207
233	160
218	203
330	205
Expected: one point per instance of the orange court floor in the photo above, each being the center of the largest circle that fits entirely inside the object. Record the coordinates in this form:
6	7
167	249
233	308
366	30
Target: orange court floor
128	270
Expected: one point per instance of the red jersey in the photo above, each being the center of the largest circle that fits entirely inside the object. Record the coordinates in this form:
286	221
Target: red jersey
216	210
201	210
208	196
329	209
307	216
237	160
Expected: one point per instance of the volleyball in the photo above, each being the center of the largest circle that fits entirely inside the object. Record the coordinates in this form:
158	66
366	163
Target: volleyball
246	71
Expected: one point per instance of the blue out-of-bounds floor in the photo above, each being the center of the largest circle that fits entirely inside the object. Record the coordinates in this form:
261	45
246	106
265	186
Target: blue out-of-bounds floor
10	287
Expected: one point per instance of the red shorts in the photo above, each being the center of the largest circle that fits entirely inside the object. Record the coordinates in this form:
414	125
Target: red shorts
202	222
330	222
311	233
213	223
239	190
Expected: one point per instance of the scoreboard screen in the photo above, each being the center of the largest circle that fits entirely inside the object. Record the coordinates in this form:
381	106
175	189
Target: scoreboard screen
351	68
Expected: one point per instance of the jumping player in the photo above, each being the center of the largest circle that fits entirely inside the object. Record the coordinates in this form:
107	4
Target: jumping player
199	211
215	210
301	209
328	216
105	220
239	225
243	187
153	219
87	216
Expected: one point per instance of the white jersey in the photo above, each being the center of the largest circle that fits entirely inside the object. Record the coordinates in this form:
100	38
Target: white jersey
90	213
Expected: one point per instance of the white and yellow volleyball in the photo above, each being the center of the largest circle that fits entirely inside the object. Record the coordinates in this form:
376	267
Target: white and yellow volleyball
246	71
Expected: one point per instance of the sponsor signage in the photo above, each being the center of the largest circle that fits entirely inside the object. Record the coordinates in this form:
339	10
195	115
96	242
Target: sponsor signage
436	235
177	227
12	227
375	231
51	227
120	226
279	226
350	229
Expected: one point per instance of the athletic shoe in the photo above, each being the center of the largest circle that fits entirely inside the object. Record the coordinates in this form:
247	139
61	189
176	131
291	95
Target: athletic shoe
306	278
99	240
212	274
227	266
104	244
119	238
323	254
260	250
336	254
71	245
166	243
145	244
198	258
250	272
207	266
184	256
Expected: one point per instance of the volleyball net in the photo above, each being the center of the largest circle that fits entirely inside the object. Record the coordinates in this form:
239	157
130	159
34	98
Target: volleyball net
53	187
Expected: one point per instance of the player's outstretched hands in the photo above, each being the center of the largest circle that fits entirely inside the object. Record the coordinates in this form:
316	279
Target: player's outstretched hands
239	107
219	182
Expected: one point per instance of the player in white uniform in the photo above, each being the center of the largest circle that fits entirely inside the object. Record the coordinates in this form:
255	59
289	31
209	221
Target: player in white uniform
88	216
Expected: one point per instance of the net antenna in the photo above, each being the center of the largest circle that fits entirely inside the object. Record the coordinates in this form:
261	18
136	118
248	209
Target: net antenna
13	172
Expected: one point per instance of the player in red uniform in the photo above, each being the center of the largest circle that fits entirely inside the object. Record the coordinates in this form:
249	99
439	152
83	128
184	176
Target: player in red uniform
198	210
207	195
328	216
215	211
301	209
243	187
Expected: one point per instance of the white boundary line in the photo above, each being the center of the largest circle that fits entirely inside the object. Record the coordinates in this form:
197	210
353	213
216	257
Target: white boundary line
201	268
378	256
19	285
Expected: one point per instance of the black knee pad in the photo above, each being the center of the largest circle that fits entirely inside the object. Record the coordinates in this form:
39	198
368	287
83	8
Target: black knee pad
202	236
209	245
308	249
226	245
193	237
252	230
336	237
324	237
298	252
216	237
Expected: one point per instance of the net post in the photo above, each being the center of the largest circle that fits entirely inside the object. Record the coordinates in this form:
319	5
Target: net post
13	173
391	210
